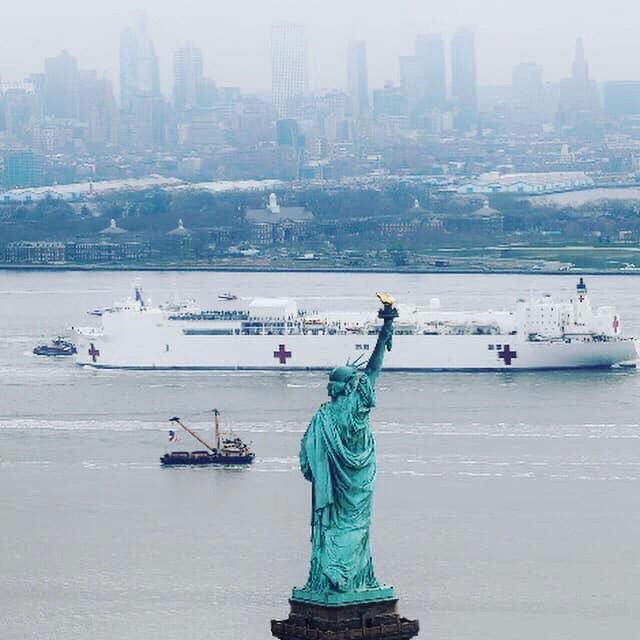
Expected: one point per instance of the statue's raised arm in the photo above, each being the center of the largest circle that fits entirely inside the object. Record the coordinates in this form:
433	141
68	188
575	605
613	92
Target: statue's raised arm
388	314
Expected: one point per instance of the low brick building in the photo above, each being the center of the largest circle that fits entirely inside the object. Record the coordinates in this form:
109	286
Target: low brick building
278	225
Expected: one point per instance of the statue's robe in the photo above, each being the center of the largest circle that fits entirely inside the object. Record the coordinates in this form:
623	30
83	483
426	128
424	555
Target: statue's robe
338	456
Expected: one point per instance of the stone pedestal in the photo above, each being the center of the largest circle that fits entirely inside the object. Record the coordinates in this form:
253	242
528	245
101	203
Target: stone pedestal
360	621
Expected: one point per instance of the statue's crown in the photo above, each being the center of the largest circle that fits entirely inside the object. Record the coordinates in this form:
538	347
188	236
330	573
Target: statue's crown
343	374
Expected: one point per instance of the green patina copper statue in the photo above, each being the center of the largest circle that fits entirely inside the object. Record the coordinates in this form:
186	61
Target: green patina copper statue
338	457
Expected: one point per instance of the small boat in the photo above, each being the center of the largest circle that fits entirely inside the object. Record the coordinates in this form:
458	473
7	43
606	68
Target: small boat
227	296
58	347
227	452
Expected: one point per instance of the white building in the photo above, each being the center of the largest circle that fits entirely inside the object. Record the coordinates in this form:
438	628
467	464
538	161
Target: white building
527	183
83	190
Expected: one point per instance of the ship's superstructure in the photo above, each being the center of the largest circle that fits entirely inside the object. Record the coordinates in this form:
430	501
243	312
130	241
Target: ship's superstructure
273	333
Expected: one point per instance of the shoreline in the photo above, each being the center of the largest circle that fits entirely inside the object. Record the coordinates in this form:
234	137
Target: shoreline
323	269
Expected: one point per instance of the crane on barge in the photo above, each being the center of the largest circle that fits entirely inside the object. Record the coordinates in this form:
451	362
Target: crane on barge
227	451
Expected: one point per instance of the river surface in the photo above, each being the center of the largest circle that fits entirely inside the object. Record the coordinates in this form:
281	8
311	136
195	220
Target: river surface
507	504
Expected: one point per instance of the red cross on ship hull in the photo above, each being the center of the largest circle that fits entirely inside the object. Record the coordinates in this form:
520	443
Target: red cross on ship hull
93	352
615	324
282	354
507	355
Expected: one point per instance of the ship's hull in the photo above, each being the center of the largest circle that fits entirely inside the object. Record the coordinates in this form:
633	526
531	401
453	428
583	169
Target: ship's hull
165	348
184	458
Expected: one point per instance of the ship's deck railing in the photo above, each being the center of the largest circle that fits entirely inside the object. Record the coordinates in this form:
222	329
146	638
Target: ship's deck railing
211	315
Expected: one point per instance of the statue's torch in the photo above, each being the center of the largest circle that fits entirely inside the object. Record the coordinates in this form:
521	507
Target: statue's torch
388	313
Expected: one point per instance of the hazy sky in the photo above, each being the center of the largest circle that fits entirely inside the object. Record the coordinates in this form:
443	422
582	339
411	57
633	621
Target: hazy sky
234	35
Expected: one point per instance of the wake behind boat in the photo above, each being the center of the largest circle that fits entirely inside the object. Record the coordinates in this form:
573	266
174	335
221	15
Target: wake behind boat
274	334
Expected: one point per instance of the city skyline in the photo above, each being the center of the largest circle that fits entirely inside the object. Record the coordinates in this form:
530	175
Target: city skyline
236	48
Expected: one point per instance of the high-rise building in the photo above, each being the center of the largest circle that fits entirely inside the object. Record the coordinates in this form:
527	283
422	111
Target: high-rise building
423	78
579	96
463	74
143	113
412	83
97	108
389	102
358	78
288	133
430	50
61	80
138	64
21	105
143	125
580	69
288	67
22	168
187	77
526	84
622	98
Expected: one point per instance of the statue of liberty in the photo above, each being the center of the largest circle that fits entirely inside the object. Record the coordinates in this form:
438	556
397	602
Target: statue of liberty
338	457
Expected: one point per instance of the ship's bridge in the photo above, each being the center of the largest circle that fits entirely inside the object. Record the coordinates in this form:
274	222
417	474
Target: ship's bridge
273	308
272	316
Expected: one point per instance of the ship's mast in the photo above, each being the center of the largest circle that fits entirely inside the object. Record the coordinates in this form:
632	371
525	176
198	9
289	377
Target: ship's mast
216	413
582	307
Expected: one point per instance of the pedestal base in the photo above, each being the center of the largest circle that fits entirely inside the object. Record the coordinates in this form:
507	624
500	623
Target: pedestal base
359	621
339	599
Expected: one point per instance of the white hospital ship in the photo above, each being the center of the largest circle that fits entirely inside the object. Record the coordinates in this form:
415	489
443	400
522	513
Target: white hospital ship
273	333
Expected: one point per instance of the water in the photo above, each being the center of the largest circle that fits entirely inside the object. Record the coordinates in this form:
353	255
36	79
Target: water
507	505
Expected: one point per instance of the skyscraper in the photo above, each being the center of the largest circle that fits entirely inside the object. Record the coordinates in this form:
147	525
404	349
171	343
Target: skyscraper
61	86
579	96
21	103
463	74
357	78
622	98
138	64
288	66
389	102
580	69
97	108
526	84
412	83
187	77
22	168
142	118
430	51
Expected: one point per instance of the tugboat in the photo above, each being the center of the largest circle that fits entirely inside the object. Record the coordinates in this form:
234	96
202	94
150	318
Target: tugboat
58	347
228	451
